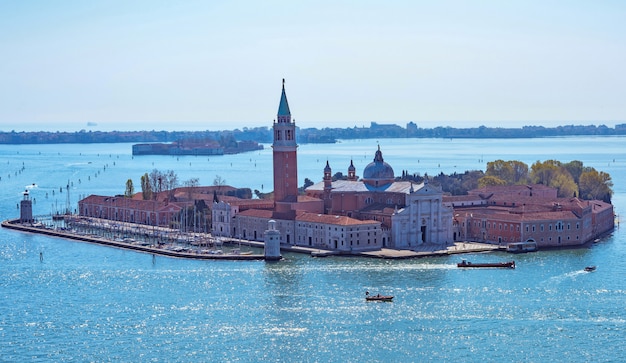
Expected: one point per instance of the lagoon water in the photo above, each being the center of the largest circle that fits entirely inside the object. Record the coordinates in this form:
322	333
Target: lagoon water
86	302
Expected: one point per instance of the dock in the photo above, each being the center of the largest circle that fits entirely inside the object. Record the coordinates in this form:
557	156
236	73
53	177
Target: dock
420	251
155	250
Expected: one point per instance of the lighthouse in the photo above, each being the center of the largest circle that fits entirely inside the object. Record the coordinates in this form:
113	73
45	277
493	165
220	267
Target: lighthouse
26	209
272	242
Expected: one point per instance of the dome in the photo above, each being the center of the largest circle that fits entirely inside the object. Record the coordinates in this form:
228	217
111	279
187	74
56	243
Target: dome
378	172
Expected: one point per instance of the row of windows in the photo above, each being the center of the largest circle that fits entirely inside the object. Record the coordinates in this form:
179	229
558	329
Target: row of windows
370	200
504	239
559	226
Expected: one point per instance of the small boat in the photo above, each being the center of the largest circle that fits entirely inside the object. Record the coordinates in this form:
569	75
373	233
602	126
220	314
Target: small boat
590	268
521	247
377	297
509	264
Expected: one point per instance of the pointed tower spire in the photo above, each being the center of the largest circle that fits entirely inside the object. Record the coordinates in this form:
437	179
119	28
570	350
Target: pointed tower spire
284	114
351	171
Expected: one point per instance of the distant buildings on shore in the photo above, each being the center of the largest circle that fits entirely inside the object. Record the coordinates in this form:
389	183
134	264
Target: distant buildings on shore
373	212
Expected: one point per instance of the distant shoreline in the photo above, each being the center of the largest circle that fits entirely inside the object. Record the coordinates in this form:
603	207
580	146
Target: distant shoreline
308	135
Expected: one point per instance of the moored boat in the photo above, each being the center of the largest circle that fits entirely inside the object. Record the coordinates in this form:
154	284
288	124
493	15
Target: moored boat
508	264
377	297
521	247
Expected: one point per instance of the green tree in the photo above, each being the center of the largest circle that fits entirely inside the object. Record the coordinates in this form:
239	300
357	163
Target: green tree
130	190
512	171
489	180
552	173
575	168
565	184
520	172
596	185
543	172
501	169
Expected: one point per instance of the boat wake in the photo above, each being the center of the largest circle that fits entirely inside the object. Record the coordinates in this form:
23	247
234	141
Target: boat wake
572	275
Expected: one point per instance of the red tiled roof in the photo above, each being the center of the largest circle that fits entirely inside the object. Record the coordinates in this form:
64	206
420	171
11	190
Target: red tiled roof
331	219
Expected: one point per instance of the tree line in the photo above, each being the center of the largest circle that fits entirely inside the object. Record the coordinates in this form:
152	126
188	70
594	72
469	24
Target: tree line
572	179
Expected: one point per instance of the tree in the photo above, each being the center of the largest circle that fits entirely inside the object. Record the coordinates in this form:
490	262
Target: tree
512	171
339	176
500	169
146	189
543	172
219	181
552	173
565	184
520	172
470	180
191	184
307	183
130	190
595	185
160	181
488	180
575	168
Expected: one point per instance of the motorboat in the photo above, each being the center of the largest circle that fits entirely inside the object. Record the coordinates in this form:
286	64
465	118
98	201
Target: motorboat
377	297
590	268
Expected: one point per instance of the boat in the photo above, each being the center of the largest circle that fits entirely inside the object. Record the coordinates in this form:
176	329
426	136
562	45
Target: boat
521	247
590	268
508	264
377	297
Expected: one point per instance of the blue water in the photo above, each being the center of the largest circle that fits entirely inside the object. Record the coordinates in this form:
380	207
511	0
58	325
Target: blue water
92	303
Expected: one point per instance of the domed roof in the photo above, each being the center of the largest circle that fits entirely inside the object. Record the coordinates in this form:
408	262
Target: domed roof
378	170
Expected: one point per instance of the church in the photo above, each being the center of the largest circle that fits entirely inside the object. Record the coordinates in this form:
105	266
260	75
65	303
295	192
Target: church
345	215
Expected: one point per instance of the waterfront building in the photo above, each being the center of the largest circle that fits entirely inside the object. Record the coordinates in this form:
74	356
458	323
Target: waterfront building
148	212
528	213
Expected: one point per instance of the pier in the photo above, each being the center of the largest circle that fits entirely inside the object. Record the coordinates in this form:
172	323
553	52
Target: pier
152	249
157	241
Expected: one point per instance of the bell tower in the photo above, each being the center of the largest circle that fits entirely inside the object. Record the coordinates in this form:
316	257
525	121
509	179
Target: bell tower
285	157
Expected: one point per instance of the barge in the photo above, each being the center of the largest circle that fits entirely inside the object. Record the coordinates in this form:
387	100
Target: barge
466	264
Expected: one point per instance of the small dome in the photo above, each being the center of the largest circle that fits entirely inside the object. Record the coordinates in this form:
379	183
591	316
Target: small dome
327	169
378	172
351	167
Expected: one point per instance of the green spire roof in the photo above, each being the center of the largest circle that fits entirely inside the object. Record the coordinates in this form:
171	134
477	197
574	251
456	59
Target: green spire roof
283	108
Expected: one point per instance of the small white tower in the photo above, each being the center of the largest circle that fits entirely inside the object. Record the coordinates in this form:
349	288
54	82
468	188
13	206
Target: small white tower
272	242
26	209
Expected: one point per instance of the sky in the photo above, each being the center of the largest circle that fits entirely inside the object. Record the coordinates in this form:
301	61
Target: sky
218	65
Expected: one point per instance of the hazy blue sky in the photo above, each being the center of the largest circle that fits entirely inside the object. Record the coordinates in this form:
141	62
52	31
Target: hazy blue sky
151	64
